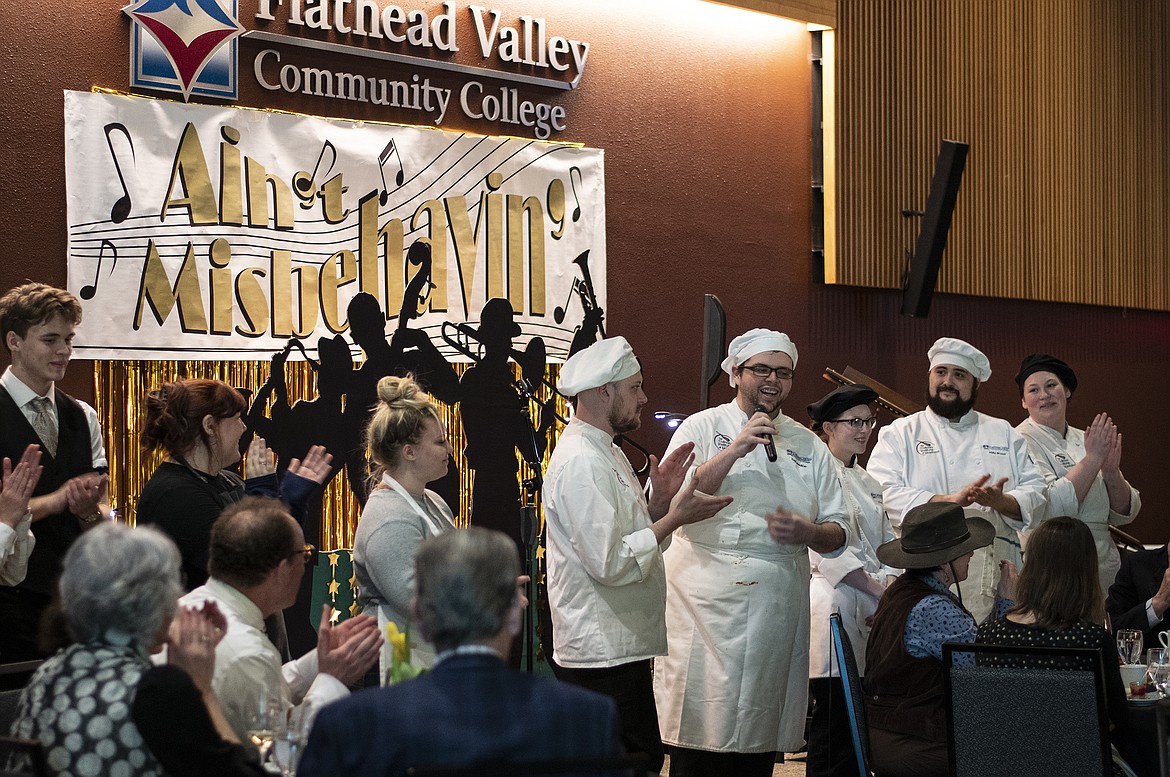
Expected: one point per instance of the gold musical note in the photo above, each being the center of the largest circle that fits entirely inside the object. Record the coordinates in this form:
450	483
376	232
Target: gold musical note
577	210
389	151
304	183
89	290
555	206
121	209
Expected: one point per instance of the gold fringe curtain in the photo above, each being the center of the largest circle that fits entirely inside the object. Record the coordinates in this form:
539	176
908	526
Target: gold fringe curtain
120	388
1064	105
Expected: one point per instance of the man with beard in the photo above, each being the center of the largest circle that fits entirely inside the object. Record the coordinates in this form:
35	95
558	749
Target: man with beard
733	689
606	580
951	453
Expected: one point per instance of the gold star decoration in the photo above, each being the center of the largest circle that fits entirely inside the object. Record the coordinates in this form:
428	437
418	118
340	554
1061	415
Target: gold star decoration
333	559
334	587
540	552
354	610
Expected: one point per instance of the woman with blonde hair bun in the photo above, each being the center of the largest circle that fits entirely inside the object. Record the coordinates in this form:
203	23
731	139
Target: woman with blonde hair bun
407	443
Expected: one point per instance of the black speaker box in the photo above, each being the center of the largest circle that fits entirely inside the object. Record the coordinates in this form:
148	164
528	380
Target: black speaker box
936	222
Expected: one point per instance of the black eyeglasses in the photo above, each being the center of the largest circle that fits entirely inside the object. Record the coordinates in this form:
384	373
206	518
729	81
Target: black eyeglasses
309	553
857	423
763	371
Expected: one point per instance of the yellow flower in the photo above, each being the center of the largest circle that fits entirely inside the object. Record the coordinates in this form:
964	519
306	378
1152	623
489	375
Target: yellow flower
399	641
400	666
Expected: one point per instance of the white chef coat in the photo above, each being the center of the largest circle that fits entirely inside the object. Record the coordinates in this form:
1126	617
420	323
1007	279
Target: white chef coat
735	678
924	454
1055	455
606	581
828	594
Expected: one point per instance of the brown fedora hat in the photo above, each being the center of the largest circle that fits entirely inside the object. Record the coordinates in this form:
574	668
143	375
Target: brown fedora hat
933	534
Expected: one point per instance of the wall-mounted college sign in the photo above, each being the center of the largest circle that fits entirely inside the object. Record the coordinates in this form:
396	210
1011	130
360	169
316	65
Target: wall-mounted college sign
198	232
188	47
191	47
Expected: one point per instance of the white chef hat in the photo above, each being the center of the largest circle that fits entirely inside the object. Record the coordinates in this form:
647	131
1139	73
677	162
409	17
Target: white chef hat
756	341
958	353
605	361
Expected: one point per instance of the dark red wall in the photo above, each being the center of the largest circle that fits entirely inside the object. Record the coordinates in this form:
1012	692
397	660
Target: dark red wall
704	115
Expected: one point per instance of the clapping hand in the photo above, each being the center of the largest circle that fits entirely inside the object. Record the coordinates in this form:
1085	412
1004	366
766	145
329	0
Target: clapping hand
18	485
667	476
316	465
348	649
261	461
191	642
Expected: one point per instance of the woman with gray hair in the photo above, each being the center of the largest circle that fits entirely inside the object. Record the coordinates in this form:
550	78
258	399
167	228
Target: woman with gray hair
117	597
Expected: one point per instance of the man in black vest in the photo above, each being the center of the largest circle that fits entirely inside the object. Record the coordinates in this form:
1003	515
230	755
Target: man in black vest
37	324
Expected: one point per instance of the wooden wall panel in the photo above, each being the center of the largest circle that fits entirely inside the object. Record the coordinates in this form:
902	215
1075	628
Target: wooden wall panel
1065	106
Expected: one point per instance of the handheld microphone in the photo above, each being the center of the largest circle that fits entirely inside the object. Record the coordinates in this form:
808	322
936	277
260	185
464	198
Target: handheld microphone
770	445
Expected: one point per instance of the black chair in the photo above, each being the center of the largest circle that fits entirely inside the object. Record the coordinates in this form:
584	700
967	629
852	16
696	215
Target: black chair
22	758
609	766
1007	718
854	701
1162	710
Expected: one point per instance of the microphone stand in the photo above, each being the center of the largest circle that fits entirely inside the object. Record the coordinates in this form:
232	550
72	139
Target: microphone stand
529	526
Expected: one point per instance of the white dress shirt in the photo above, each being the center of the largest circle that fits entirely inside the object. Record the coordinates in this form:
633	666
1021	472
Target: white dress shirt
246	662
22	395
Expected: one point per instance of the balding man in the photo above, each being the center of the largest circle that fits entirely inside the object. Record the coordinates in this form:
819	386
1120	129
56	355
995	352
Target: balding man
257	559
606	581
952	453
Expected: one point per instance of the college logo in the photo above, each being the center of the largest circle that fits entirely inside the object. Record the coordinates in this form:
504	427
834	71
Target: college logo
996	450
797	459
186	46
1063	460
924	448
721	441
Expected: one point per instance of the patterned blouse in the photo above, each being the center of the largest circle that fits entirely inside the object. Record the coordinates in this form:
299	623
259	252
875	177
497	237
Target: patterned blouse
1080	635
78	705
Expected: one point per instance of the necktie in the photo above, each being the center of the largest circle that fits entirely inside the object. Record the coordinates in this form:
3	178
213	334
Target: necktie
45	423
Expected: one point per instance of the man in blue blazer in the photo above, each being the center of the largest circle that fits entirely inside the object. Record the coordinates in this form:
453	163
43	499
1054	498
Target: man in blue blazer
470	708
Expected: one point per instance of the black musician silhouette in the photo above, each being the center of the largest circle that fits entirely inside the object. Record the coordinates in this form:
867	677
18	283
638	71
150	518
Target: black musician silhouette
496	425
408	351
290	430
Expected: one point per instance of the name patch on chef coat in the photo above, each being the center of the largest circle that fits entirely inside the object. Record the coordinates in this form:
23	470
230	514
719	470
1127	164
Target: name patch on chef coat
925	448
797	459
1063	460
721	441
619	477
996	450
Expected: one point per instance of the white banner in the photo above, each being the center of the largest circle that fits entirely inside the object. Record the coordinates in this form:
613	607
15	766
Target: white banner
200	232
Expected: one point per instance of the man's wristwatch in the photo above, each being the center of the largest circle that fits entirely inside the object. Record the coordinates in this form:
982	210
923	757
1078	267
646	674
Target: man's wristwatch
94	517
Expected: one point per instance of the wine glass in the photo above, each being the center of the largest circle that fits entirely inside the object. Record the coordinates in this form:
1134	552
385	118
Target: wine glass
1158	668
286	750
262	724
289	739
1129	646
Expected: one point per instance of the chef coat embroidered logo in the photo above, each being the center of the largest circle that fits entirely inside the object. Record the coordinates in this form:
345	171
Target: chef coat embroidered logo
621	480
722	441
925	448
996	450
1063	460
797	459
